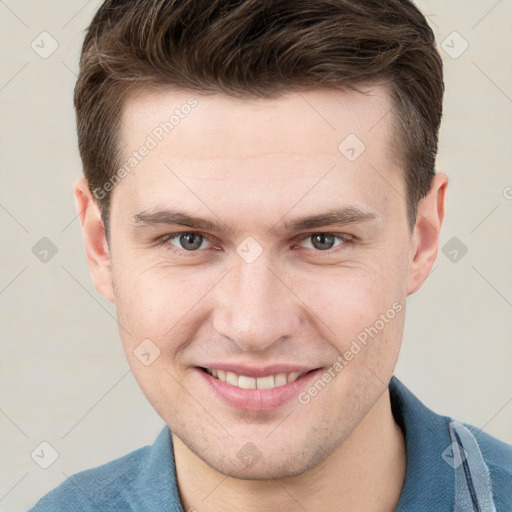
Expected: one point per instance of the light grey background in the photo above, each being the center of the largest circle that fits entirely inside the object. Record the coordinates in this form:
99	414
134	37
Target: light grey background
64	378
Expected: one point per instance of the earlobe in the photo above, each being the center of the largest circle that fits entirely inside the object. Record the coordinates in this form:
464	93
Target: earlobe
95	242
425	237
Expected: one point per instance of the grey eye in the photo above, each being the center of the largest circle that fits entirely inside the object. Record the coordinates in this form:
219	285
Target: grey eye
188	241
323	241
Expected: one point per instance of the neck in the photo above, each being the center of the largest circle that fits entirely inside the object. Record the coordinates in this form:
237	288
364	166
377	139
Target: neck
366	472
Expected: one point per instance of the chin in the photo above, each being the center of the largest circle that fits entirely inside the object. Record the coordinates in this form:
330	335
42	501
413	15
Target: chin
262	470
249	463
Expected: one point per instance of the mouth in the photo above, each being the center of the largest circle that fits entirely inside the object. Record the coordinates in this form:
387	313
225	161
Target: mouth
261	390
245	382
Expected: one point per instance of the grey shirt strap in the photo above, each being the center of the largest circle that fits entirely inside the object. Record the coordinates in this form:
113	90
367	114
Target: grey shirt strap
473	491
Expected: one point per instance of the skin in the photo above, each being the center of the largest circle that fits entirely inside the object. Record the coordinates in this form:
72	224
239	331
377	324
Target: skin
250	165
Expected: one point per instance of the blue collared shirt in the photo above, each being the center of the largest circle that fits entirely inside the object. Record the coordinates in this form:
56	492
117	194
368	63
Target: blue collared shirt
451	467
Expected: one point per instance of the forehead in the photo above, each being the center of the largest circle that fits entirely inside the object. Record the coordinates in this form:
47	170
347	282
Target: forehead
258	149
304	121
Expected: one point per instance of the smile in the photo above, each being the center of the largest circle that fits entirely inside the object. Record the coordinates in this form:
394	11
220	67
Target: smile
245	382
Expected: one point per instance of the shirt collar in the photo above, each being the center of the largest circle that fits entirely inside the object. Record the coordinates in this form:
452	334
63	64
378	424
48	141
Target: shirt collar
429	479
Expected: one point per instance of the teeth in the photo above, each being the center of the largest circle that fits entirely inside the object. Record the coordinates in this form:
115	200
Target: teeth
265	382
293	376
244	382
232	378
280	379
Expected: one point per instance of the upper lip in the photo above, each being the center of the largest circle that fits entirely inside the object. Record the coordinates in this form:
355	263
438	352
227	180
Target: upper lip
258	371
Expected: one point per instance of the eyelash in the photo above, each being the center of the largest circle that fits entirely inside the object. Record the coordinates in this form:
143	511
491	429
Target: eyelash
163	241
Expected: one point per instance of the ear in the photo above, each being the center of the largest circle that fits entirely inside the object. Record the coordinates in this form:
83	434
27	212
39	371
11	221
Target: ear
96	247
425	236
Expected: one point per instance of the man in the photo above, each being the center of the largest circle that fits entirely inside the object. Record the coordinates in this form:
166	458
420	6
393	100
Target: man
259	200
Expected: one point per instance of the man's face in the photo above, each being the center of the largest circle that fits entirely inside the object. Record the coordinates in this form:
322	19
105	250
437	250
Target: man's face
257	295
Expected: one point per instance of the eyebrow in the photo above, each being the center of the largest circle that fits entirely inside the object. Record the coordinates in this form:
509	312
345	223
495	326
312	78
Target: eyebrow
338	217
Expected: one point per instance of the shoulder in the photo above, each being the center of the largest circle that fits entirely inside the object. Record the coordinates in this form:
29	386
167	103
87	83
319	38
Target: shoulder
144	479
497	456
97	488
496	453
450	463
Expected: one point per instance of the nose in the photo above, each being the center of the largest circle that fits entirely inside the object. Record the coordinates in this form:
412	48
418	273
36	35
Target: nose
255	308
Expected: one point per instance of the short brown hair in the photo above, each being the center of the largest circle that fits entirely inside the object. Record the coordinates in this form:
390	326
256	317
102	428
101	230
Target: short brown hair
260	48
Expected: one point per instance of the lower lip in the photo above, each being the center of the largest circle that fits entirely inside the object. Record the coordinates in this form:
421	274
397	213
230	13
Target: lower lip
257	399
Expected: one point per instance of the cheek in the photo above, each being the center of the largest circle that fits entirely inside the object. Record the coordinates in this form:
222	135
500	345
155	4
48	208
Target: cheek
359	311
156	315
150	290
158	302
348	300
